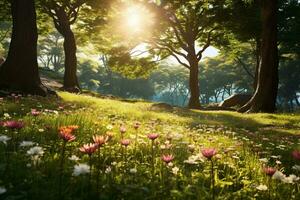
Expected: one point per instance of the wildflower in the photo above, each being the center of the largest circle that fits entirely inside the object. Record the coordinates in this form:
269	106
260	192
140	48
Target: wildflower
125	142
270	171
209	152
34	112
14	124
110	135
136	125
109	127
74	158
2	190
291	179
26	144
175	170
108	170
193	160
35	151
167	158
263	160
296	154
89	148
152	136
296	167
81	169
262	187
278	175
123	129
4	139
100	140
133	171
66	134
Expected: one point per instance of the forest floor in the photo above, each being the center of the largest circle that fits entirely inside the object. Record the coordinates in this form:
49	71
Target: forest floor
38	164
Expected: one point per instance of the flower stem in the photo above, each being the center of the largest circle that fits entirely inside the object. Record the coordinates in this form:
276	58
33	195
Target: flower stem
61	170
212	180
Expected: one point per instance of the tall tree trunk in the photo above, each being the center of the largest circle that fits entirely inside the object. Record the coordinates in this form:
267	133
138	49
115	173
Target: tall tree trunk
20	70
64	28
70	76
264	98
258	60
194	102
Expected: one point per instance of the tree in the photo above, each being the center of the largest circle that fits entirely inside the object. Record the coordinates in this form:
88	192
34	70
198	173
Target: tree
20	70
186	29
264	98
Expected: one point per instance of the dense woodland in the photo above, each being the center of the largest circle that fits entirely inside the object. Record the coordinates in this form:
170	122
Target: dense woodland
87	46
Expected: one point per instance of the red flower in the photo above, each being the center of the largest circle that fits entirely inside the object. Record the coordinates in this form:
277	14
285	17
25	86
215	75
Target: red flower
152	136
125	142
14	124
209	152
100	140
296	154
167	158
269	171
89	148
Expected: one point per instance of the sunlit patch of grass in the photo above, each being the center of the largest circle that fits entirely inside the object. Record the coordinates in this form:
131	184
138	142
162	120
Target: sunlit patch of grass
245	144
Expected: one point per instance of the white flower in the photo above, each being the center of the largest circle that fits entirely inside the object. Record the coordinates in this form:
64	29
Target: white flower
133	171
4	139
27	144
291	179
264	160
296	167
35	151
81	169
278	162
262	187
2	190
108	170
278	175
175	170
41	130
74	158
109	127
6	116
193	159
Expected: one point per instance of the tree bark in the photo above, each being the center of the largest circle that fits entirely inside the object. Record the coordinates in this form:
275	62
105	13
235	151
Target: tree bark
64	28
194	102
19	73
264	98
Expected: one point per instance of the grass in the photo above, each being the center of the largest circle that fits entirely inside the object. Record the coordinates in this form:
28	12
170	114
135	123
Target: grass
246	143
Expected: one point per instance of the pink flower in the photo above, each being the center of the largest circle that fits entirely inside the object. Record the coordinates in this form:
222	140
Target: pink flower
167	158
34	112
209	152
89	148
296	154
269	171
100	140
152	136
14	124
122	129
125	142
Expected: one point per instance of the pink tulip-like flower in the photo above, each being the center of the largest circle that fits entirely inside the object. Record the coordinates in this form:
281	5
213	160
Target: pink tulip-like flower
34	112
296	154
100	140
125	142
167	158
88	148
209	152
123	129
152	136
269	171
14	124
136	125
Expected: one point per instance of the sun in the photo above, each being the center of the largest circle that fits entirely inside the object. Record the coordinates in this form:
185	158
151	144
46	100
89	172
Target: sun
137	19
